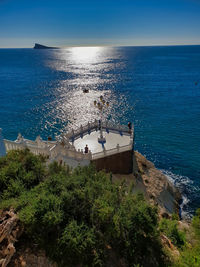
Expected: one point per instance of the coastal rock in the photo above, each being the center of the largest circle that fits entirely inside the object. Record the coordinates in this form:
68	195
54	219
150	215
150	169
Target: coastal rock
10	230
167	244
153	184
157	184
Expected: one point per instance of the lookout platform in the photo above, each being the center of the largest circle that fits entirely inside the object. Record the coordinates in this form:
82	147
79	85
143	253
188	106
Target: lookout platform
110	147
113	139
114	153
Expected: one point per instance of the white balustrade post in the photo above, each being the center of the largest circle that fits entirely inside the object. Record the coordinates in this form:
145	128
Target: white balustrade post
81	128
118	147
19	137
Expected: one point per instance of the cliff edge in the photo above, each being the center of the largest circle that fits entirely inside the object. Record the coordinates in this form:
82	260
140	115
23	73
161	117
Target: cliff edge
155	186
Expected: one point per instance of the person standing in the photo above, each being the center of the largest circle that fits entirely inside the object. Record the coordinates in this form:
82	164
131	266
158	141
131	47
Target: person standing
86	149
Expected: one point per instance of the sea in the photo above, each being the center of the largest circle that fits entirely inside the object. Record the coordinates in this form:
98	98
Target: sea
156	88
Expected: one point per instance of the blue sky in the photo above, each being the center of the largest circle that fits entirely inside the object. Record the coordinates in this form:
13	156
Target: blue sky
99	22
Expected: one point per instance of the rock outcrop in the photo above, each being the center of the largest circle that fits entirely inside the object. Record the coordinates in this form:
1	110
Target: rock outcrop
39	46
167	244
10	231
153	184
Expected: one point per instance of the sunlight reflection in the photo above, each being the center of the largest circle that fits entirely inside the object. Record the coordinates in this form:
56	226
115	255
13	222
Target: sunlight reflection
85	54
75	108
81	68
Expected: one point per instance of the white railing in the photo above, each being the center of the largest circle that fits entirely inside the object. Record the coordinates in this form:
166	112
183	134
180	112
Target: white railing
113	151
11	145
53	149
75	154
91	126
64	151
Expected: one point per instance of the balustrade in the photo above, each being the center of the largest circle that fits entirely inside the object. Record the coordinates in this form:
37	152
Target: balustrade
53	149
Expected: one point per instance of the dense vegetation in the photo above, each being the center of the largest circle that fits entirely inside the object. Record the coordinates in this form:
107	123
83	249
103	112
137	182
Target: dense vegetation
190	252
82	217
78	216
170	229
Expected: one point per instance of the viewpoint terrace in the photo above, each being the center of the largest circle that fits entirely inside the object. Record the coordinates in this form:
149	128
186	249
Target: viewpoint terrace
110	146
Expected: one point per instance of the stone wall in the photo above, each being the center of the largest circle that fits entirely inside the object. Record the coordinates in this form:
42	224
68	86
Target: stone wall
119	163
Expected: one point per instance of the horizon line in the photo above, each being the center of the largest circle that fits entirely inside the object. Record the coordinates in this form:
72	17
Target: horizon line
101	45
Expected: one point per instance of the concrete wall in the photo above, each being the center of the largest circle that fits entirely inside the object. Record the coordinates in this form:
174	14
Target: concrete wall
121	163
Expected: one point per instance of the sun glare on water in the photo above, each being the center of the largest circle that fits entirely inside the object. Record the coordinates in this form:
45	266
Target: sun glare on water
84	68
85	54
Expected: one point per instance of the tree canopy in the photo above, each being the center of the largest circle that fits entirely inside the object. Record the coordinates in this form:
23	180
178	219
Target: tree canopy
81	217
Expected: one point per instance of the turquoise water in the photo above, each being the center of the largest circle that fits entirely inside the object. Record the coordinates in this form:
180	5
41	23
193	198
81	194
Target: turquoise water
158	88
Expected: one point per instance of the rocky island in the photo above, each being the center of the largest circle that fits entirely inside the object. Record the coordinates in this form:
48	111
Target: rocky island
39	46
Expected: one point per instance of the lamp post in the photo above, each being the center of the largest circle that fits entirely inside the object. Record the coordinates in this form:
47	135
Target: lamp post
101	105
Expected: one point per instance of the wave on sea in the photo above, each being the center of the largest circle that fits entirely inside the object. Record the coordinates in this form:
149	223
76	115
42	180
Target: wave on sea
187	189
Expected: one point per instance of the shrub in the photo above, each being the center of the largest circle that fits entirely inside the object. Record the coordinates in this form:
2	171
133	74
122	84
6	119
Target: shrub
20	170
170	229
79	216
196	222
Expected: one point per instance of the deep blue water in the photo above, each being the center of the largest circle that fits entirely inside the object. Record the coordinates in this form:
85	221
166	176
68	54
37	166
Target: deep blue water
158	88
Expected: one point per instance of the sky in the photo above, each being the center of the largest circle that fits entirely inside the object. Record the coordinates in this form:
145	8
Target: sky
99	22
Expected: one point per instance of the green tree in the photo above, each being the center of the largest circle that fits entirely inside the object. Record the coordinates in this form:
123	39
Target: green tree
79	216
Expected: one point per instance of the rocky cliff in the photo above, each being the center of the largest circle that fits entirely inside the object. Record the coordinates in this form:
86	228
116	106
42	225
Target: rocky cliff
153	184
10	230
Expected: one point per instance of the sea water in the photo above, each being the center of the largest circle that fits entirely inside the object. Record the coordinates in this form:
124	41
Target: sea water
157	88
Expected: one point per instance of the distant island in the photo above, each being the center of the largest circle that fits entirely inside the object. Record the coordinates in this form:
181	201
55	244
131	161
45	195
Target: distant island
39	46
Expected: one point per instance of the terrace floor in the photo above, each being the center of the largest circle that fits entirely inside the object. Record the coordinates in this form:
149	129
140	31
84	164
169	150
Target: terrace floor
112	139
